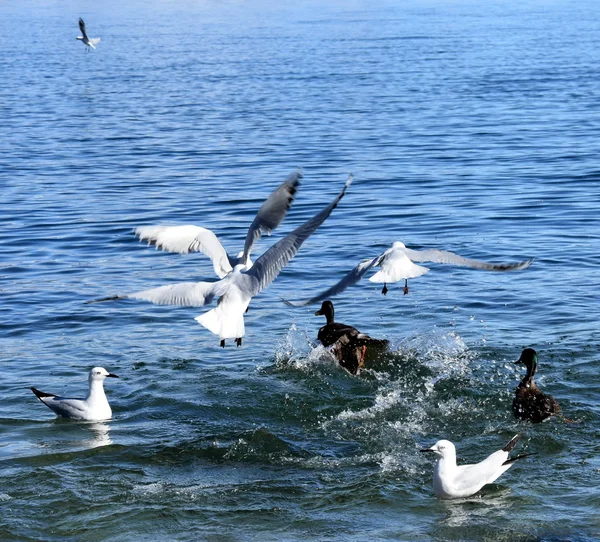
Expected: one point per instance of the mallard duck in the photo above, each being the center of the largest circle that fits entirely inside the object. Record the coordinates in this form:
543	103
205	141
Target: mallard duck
349	344
529	402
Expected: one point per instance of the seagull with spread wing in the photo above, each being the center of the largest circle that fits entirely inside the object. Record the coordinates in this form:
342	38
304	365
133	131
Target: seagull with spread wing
188	238
397	263
236	289
84	37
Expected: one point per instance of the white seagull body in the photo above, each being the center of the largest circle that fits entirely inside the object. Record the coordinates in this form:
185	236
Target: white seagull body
236	289
188	238
84	37
397	263
454	481
94	407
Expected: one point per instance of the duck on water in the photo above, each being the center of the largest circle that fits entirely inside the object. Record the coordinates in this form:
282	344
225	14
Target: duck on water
530	403
349	345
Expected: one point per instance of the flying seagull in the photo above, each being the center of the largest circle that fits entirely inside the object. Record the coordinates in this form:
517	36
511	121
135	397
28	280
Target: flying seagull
235	290
452	481
94	407
84	37
187	238
397	263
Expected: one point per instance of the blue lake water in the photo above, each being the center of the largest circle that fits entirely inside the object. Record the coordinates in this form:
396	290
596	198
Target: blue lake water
469	126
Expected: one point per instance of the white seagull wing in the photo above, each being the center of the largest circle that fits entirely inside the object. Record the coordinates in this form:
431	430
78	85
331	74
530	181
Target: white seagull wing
270	264
185	239
183	294
272	211
348	280
95	41
446	257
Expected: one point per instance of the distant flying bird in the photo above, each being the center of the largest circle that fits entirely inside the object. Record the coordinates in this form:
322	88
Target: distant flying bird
396	264
84	37
188	238
453	481
236	289
529	402
94	407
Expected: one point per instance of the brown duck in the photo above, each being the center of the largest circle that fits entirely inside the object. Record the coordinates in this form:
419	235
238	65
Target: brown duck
349	344
529	402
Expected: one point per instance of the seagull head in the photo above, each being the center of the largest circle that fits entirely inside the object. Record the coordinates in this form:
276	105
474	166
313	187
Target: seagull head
529	359
100	373
442	448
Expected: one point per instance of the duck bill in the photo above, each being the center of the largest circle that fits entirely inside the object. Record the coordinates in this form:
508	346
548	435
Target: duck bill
112	375
318	313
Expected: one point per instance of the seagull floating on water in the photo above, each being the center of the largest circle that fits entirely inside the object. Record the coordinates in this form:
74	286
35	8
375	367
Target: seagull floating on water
84	37
94	407
529	402
453	481
397	263
188	238
236	289
349	344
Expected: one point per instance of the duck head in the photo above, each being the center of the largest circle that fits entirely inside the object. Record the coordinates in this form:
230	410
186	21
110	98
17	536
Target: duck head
326	310
529	359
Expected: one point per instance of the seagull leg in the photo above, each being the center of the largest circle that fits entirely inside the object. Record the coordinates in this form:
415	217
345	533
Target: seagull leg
238	341
384	290
222	344
405	286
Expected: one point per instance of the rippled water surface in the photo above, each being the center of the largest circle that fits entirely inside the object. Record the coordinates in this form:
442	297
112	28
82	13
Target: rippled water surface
469	126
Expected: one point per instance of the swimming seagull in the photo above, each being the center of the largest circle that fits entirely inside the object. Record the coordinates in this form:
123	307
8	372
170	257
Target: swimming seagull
452	481
94	407
84	38
396	264
189	238
530	403
235	290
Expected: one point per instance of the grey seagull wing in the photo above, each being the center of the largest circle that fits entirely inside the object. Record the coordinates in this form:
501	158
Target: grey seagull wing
269	265
82	28
348	280
446	257
272	211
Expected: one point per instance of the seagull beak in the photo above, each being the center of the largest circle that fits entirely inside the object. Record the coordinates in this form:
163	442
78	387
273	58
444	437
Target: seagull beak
112	375
427	450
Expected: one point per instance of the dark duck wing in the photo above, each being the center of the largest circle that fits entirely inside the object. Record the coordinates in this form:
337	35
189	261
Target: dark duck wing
533	405
330	333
